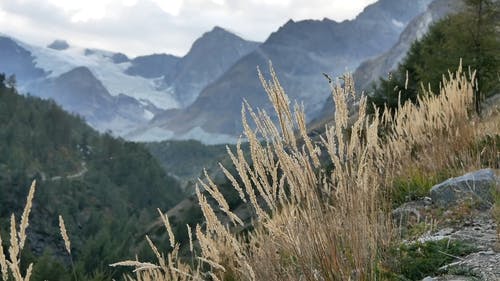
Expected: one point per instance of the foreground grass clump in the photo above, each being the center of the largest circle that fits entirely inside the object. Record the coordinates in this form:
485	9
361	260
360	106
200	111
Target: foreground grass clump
11	267
314	223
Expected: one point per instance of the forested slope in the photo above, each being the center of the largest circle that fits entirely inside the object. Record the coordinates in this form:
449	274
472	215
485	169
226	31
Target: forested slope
105	188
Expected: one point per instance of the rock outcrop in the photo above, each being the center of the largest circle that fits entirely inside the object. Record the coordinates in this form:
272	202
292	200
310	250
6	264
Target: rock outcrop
460	209
476	186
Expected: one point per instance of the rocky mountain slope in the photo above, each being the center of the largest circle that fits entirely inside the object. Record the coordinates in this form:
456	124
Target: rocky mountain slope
19	61
300	52
210	56
199	96
152	66
79	91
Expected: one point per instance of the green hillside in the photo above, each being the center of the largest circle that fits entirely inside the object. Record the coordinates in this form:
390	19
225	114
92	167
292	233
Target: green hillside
185	160
105	188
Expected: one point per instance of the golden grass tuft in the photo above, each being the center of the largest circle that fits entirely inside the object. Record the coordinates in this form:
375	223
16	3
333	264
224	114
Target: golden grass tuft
313	223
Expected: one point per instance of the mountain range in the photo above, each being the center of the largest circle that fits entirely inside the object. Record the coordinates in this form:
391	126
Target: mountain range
199	96
300	53
111	91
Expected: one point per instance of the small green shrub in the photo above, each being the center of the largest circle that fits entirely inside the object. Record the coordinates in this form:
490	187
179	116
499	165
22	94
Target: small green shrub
418	229
417	260
414	186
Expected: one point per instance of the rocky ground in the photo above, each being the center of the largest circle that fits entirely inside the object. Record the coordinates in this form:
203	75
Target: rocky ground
460	209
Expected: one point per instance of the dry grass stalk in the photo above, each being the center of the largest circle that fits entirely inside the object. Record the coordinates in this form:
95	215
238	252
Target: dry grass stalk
190	235
212	189
29	271
26	214
166	222
67	244
64	234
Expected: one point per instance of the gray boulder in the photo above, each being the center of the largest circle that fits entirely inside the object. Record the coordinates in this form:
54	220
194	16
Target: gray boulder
477	186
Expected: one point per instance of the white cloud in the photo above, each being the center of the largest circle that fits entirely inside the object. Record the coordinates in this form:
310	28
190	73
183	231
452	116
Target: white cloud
148	26
82	11
172	7
129	2
219	2
272	2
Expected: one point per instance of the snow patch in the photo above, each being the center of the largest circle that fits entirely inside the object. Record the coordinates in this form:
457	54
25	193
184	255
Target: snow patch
148	115
57	62
398	24
112	75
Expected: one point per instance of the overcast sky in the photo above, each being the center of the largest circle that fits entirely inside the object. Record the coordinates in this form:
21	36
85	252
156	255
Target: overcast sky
137	27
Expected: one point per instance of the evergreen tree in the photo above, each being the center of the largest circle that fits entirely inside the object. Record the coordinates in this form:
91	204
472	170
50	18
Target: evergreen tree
471	36
484	39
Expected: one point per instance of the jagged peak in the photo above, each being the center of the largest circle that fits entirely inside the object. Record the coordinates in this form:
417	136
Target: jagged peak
217	31
216	34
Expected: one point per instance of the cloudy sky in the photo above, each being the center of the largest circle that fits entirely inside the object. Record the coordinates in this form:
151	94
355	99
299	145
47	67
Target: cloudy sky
138	27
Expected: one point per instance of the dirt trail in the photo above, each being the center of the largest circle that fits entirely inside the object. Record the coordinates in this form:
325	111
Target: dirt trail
78	174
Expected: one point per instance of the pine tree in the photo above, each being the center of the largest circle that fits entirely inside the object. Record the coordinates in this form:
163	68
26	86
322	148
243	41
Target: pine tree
471	36
483	34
